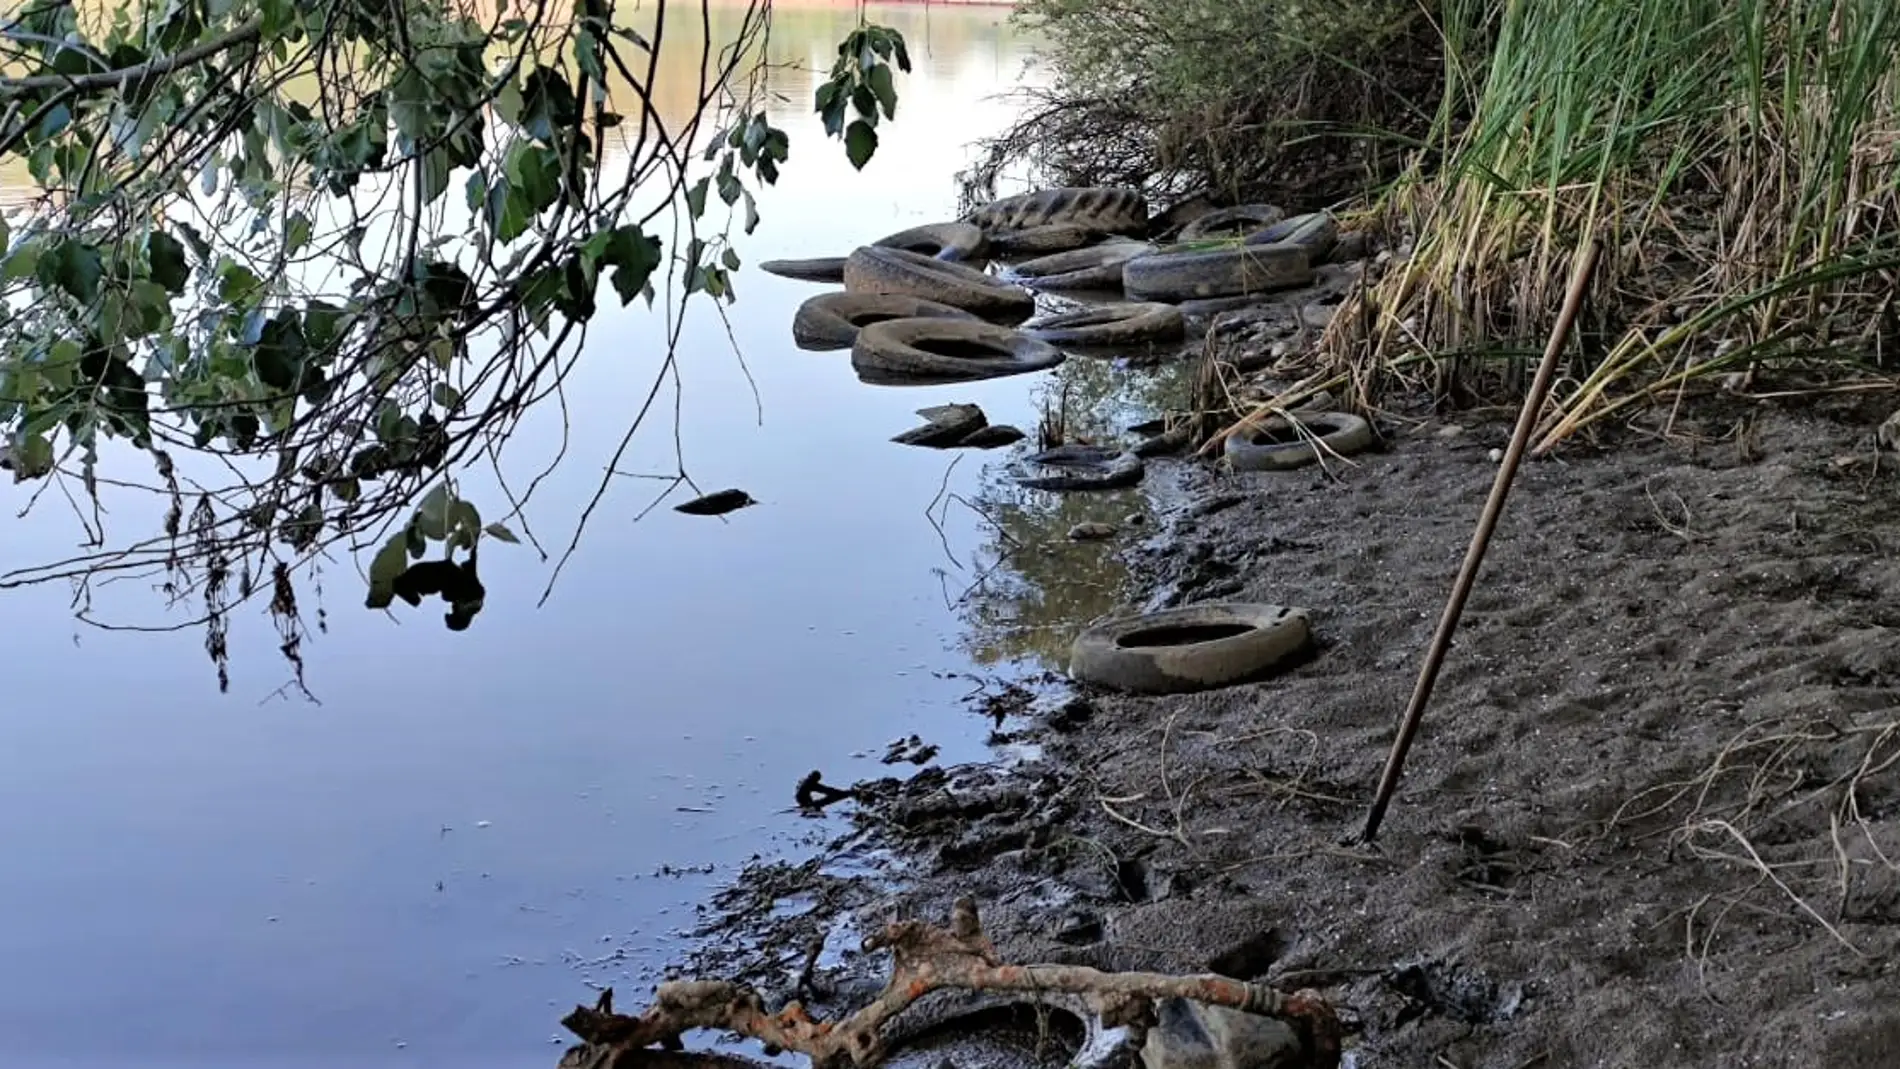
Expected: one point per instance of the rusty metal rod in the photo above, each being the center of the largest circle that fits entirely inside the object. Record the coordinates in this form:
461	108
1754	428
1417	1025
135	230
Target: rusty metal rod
1480	540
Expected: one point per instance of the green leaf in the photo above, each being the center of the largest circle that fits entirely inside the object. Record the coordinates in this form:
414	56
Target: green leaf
465	524
445	395
73	267
860	141
432	516
167	256
881	87
696	197
751	213
496	530
390	561
33	458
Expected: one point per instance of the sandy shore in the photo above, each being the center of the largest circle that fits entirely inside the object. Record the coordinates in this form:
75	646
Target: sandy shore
1662	738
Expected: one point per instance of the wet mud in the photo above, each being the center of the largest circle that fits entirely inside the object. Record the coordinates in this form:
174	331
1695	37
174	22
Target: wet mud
1653	817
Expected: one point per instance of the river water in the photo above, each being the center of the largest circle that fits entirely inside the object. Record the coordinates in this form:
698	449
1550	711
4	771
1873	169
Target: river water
432	863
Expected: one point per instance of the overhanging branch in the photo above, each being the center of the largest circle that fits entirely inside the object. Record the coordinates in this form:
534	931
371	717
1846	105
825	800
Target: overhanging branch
138	72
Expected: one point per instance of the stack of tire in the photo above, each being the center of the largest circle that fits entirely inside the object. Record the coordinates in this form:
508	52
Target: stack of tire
917	309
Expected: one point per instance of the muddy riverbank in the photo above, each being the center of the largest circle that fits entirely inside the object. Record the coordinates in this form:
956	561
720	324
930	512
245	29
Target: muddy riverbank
1647	823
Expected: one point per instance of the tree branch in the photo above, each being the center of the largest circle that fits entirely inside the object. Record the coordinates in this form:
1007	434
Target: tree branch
928	958
138	72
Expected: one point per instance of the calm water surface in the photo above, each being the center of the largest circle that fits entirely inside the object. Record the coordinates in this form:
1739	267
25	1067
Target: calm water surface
428	867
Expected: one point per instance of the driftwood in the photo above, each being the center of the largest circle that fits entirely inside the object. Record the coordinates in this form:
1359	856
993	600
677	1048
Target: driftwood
925	959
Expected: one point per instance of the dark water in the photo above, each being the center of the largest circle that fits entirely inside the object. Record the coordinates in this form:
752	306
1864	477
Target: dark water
431	865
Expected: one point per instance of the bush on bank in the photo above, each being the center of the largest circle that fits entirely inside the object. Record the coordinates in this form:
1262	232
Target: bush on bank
1229	97
1740	161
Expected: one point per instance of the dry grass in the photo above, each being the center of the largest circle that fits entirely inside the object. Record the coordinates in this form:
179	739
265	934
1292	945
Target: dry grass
1738	161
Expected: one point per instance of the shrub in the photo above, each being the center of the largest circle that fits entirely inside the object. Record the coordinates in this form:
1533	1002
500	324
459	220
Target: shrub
1230	97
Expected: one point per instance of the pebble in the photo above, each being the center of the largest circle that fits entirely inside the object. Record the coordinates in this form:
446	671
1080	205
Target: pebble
1091	532
1496	456
1450	430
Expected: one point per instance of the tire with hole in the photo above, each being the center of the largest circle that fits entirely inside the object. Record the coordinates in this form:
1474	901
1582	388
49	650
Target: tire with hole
1234	222
832	320
951	242
1109	325
1097	267
872	269
1275	444
1178	274
899	352
821	269
1084	467
1194	647
1316	233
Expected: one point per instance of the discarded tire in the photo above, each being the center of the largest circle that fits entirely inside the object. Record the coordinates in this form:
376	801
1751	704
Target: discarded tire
872	269
953	242
1316	233
1097	209
1179	274
1233	222
1096	267
1194	647
832	320
1121	323
1041	240
823	269
1083	467
1275	444
922	351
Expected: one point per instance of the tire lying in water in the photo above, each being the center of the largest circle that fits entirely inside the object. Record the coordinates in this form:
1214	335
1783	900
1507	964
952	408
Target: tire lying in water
899	352
823	269
1275	444
1234	222
1316	233
1084	467
1178	274
1107	325
1194	647
951	242
832	320
1095	267
878	270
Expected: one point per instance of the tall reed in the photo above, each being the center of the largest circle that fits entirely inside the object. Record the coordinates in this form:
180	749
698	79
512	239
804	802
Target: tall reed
1738	159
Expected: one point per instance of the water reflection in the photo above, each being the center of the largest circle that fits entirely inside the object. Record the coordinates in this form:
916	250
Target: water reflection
433	864
1032	585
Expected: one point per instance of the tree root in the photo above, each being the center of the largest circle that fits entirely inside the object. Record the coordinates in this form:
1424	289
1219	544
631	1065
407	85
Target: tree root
925	959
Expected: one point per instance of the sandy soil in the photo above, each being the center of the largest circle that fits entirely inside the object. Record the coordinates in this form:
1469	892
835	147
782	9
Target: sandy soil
1660	741
1649	817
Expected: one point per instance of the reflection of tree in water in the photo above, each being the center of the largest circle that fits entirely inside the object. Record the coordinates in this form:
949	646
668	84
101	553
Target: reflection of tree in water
1038	587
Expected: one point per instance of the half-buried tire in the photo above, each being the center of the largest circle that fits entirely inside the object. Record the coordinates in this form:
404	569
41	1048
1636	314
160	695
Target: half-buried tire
1233	222
1275	444
1317	233
1098	267
832	320
1108	325
1194	647
898	352
1178	274
873	269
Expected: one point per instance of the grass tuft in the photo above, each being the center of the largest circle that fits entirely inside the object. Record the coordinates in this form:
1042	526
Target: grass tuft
1738	160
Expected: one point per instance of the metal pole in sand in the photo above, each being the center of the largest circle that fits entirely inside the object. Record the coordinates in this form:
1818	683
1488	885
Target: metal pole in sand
1480	540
